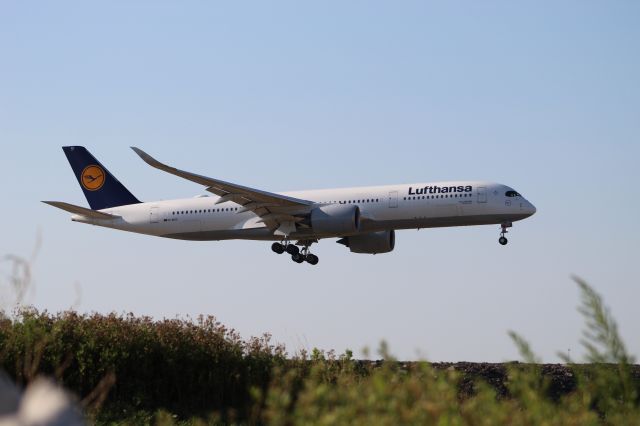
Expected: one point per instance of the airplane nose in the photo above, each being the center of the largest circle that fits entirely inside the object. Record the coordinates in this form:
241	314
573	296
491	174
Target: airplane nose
531	209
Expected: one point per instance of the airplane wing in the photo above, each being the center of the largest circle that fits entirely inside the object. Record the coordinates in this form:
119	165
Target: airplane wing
71	208
275	210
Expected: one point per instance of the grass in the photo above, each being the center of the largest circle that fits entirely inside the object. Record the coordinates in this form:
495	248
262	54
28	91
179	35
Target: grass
134	370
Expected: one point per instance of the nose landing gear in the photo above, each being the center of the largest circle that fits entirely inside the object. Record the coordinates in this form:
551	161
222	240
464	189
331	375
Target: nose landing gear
297	255
503	240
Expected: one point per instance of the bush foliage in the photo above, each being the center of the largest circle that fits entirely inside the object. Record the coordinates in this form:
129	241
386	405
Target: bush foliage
136	370
180	365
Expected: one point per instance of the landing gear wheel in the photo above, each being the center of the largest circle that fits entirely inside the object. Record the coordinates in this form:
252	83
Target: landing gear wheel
298	258
504	226
277	248
292	249
312	259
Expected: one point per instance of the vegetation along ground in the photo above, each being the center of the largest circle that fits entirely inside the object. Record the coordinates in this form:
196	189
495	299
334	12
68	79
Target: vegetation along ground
135	370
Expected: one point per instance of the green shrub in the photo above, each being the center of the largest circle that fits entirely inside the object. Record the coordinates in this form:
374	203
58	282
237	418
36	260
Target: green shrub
133	370
332	392
184	366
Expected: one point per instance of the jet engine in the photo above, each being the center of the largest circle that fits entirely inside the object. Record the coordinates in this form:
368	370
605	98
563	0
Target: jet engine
371	243
336	219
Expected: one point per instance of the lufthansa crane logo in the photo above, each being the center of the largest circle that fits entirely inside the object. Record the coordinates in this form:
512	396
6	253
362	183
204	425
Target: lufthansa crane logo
92	178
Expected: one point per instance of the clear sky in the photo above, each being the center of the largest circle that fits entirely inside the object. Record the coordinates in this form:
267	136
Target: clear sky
541	96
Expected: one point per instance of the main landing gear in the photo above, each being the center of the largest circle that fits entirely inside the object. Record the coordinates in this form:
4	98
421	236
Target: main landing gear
297	255
503	240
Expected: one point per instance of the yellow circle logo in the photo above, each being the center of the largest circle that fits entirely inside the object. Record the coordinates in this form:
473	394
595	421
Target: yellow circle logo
92	178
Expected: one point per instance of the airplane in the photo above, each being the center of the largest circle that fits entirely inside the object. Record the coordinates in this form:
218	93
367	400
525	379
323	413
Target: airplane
364	219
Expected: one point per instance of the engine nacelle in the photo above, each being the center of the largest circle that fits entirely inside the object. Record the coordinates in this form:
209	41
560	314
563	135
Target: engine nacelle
336	219
371	243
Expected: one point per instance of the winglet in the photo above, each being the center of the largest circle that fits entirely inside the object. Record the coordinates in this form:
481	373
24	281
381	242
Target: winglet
82	211
153	162
146	157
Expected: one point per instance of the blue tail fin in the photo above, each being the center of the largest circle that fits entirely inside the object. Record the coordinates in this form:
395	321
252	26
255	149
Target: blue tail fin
100	187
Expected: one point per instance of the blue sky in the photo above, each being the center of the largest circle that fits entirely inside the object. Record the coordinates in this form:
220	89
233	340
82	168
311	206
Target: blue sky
541	96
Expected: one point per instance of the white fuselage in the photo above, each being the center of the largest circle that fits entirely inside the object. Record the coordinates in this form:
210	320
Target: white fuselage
409	206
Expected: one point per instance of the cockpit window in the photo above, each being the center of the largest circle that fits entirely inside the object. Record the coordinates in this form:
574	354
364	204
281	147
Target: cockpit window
512	194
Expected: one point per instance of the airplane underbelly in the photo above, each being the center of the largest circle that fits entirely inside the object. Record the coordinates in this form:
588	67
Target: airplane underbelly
191	225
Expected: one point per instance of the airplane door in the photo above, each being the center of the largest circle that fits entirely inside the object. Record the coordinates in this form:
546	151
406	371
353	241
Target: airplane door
393	199
482	194
154	215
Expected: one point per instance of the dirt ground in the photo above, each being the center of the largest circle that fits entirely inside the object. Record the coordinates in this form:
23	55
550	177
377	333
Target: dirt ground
562	379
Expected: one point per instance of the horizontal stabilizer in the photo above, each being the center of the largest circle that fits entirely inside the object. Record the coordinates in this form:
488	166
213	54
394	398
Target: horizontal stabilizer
83	211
